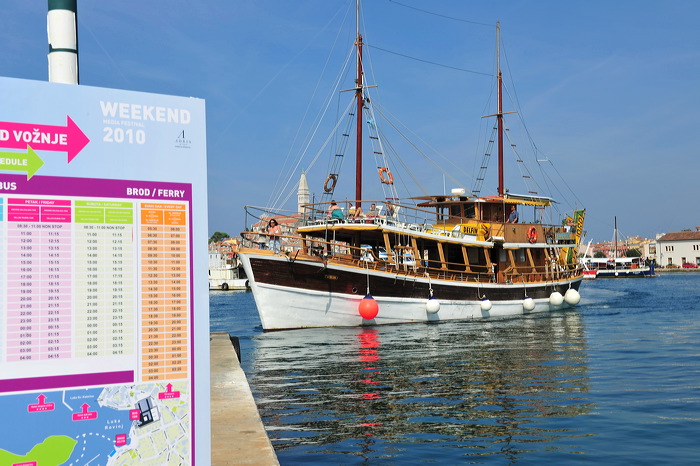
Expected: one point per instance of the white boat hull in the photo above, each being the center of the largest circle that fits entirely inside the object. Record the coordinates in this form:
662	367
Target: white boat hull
625	273
284	307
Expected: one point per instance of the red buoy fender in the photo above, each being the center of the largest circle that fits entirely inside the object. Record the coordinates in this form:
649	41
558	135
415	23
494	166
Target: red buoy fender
368	308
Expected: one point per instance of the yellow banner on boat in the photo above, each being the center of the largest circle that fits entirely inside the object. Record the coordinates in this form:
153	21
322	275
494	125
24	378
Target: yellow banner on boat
579	216
540	202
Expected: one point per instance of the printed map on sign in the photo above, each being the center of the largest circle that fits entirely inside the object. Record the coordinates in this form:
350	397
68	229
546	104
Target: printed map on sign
101	425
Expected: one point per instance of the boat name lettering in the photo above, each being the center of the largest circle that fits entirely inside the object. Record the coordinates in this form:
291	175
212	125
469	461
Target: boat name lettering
331	277
470	230
145	112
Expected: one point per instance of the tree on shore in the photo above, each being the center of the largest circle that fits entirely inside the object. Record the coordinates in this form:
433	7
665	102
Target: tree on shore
218	236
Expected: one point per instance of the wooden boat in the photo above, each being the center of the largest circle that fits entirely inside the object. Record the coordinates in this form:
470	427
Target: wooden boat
417	259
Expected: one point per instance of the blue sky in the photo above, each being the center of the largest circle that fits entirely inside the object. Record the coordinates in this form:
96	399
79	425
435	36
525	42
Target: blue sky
609	91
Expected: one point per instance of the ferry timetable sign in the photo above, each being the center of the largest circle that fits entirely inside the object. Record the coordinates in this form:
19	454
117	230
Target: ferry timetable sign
103	331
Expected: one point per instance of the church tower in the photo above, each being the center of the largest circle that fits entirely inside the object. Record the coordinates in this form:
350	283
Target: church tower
303	195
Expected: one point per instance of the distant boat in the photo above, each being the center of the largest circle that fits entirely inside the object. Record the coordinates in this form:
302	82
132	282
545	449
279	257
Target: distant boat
224	275
619	267
417	259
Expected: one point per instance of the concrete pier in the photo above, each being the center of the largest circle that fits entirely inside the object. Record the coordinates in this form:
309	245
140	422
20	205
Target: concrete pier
238	434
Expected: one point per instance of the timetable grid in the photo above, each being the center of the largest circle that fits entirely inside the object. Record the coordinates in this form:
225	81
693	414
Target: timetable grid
104	292
165	302
39	280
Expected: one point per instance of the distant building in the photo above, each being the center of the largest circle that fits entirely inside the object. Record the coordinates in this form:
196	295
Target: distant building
679	248
645	246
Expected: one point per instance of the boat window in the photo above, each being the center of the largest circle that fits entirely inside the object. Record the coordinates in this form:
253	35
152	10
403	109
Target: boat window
521	255
442	213
456	210
432	256
469	211
453	254
474	256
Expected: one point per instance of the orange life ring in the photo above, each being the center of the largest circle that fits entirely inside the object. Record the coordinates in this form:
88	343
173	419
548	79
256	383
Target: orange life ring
333	178
389	177
532	235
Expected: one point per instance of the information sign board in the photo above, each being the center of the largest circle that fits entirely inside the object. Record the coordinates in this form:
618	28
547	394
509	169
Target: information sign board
103	304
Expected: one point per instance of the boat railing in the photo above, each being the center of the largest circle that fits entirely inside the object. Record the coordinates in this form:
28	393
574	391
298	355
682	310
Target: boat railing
387	213
407	262
417	219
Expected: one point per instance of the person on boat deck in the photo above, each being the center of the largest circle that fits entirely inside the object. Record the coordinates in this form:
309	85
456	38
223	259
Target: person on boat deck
274	230
355	211
568	223
513	217
373	212
335	212
390	211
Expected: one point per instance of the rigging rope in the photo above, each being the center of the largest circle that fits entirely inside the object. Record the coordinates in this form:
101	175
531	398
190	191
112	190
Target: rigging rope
442	16
429	62
449	174
310	138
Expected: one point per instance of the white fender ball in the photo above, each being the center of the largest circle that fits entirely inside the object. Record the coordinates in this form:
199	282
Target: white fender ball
572	297
528	304
432	305
556	299
485	305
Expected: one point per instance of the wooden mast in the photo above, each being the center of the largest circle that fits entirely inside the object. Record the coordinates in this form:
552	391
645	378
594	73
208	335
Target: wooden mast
360	104
499	114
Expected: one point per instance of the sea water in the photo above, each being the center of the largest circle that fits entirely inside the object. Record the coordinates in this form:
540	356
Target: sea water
614	381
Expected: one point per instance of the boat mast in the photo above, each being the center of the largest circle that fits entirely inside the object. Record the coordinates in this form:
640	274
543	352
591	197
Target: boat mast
360	103
615	243
499	115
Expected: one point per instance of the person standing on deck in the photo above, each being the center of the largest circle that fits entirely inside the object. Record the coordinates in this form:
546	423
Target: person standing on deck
513	217
274	230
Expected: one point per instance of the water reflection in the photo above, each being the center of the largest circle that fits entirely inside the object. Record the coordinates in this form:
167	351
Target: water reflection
369	358
476	389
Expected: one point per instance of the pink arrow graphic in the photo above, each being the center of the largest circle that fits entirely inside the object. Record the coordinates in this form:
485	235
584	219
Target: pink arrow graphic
168	393
67	138
41	405
85	414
